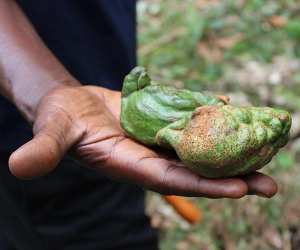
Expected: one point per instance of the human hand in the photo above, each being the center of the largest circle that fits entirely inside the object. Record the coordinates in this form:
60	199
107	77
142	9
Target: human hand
85	122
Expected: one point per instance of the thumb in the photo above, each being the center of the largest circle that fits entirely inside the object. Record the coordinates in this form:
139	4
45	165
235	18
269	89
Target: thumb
43	153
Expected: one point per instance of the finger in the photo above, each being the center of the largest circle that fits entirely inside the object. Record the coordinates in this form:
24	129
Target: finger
179	180
135	163
260	184
54	135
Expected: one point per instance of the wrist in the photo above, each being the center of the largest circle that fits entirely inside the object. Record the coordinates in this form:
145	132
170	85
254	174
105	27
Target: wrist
28	69
27	97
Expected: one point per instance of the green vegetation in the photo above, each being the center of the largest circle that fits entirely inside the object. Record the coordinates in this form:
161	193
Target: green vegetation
249	50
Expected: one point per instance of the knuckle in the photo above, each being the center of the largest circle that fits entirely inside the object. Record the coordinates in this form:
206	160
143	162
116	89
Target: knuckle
164	184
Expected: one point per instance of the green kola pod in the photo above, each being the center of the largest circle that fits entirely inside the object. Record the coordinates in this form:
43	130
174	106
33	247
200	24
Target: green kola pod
210	137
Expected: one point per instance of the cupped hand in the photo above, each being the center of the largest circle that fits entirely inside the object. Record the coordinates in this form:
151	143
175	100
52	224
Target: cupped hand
84	121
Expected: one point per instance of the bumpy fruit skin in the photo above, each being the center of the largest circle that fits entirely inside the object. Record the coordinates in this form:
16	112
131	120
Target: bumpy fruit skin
210	137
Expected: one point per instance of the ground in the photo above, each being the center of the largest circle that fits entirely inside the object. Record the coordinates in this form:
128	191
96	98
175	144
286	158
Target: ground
249	50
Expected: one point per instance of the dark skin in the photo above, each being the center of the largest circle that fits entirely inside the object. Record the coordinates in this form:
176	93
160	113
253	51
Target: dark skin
84	121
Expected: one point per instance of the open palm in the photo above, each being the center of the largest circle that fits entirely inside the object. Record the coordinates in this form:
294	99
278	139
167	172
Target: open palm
84	121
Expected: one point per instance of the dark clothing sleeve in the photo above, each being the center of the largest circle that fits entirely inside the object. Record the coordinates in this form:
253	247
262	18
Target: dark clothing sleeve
74	208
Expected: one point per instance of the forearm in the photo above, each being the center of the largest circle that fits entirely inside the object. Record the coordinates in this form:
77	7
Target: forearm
28	69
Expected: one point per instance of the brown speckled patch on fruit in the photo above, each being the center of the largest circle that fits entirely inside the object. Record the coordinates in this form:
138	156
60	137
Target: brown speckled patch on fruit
200	133
216	138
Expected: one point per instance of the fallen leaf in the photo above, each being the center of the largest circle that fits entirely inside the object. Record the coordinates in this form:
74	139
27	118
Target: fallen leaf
229	41
278	21
210	53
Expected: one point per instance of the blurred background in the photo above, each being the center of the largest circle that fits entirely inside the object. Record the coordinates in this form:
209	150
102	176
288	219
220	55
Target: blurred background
249	50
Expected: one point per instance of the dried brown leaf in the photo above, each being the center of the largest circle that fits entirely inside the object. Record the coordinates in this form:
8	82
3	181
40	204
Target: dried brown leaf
278	21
